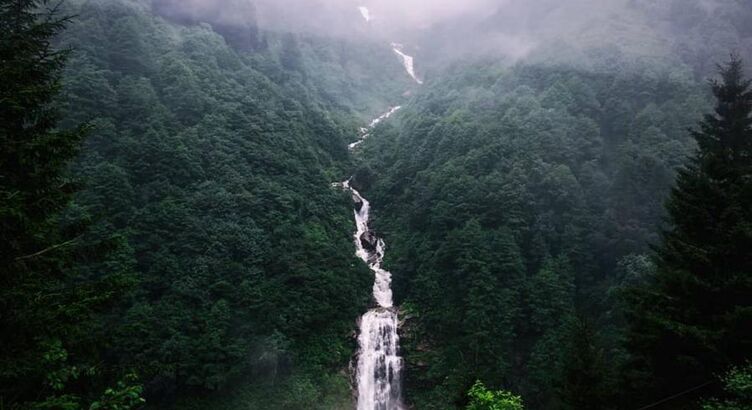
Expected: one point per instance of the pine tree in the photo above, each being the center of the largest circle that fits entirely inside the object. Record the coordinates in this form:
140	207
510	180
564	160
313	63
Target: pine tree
33	192
34	155
694	319
584	374
46	311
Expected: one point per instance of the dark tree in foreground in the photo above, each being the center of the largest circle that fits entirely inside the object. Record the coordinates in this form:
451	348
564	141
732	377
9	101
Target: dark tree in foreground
46	312
585	378
33	189
694	319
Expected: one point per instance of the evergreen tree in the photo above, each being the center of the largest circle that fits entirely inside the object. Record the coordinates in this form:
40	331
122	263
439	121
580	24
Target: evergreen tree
46	309
694	318
34	154
584	378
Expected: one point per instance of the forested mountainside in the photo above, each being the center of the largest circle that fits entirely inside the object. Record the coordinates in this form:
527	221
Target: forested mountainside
558	204
694	33
516	202
216	166
521	200
210	167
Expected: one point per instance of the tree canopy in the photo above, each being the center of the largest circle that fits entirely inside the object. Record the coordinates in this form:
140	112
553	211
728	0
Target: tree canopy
693	319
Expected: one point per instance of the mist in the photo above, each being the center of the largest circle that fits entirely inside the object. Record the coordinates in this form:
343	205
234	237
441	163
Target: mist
448	30
414	14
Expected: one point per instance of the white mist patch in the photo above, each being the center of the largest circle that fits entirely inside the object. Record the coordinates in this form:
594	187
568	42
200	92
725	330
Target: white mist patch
407	62
365	13
515	47
423	14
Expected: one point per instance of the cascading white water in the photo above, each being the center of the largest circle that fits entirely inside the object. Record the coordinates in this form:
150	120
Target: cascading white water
365	13
407	62
379	364
365	132
379	370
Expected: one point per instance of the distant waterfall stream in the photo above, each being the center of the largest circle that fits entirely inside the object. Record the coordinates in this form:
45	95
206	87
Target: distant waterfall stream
379	367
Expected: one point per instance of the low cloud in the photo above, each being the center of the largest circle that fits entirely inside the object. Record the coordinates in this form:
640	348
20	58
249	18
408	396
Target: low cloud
450	29
421	14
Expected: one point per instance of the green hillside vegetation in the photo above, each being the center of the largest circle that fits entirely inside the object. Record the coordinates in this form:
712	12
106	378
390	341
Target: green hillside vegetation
518	204
208	172
568	229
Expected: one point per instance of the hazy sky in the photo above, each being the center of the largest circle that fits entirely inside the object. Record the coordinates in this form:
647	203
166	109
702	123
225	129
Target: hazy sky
458	28
423	13
399	13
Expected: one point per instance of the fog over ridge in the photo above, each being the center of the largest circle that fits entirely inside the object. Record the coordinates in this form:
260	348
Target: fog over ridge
450	30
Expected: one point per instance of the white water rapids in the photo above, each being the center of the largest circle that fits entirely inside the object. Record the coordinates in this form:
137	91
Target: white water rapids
365	13
365	132
379	364
379	370
407	62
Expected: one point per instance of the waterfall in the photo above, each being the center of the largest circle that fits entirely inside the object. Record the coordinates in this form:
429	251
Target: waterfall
365	13
379	364
365	132
379	369
407	62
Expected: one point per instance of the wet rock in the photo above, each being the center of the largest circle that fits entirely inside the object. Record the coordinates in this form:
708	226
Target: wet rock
358	204
369	241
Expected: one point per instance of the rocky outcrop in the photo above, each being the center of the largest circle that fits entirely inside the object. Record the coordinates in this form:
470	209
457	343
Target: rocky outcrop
369	240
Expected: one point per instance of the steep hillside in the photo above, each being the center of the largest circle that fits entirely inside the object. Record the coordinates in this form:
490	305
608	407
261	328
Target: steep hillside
521	189
387	205
514	200
213	163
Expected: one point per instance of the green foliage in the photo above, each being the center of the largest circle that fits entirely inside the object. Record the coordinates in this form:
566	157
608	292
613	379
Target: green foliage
52	310
316	392
209	253
208	172
508	197
483	399
125	396
585	378
34	154
737	384
697	306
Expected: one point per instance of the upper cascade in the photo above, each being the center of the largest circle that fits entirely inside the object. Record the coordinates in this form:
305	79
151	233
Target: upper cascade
365	13
407	61
365	132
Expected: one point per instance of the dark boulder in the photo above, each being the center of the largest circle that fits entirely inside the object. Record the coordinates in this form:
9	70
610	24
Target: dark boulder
369	241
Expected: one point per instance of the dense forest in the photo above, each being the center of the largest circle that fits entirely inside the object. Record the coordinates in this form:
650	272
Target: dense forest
554	178
522	201
569	225
204	180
